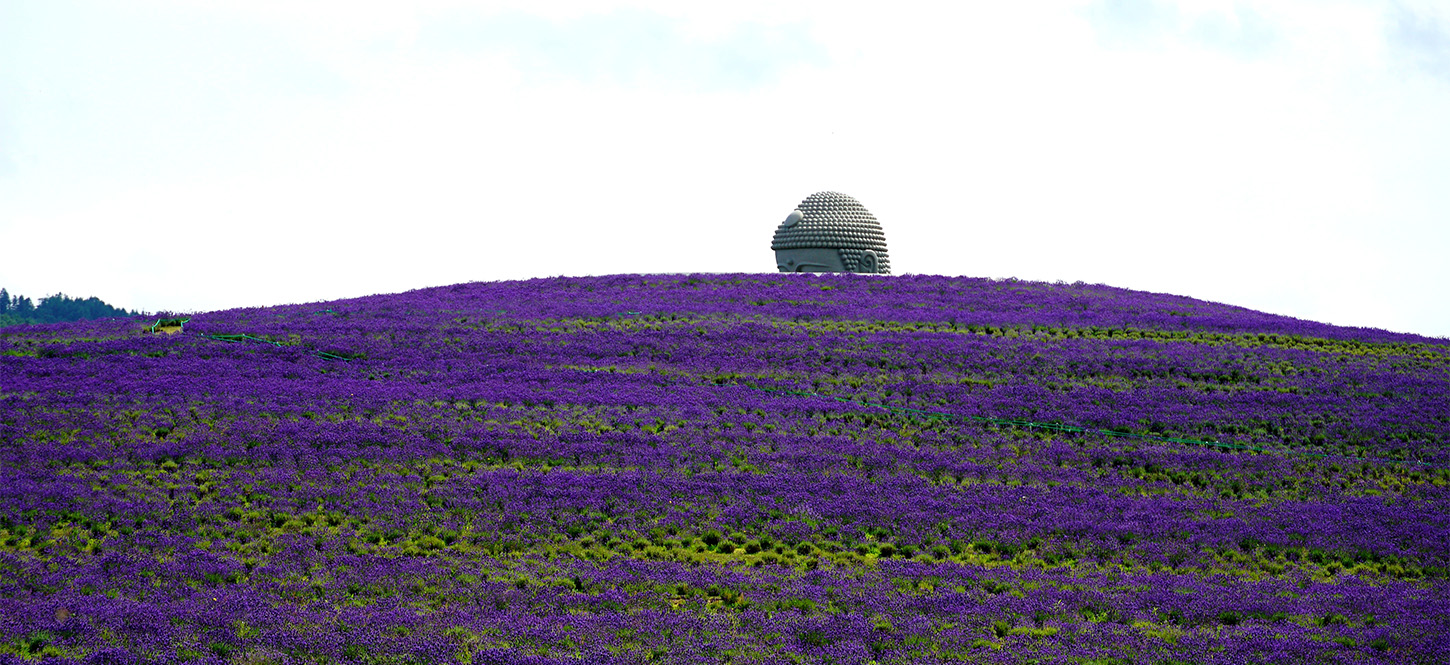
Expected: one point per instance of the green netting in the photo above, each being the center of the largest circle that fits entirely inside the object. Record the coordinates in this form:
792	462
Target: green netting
325	355
242	338
167	323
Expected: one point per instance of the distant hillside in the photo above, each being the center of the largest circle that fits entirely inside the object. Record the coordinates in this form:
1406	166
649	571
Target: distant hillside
719	469
16	310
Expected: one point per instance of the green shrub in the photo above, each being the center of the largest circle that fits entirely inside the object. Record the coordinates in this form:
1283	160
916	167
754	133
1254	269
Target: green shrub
814	637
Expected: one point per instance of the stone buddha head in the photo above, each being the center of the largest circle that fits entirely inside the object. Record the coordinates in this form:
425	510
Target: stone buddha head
830	232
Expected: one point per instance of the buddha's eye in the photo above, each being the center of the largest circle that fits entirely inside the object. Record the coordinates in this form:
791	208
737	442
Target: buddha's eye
792	219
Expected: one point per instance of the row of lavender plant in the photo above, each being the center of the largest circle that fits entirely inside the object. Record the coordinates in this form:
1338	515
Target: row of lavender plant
734	468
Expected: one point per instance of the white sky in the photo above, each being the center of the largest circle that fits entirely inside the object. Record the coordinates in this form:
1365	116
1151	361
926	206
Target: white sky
1292	157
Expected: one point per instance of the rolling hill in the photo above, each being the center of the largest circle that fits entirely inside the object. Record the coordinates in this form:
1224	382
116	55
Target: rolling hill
725	468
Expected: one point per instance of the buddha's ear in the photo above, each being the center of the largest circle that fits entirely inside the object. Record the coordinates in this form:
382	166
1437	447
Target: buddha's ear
867	262
792	219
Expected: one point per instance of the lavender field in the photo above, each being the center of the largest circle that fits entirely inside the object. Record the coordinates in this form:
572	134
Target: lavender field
726	469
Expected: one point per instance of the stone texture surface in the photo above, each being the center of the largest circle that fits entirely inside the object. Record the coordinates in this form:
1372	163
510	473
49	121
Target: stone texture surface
836	221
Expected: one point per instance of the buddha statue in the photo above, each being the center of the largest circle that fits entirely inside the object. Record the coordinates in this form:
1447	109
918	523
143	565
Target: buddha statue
830	232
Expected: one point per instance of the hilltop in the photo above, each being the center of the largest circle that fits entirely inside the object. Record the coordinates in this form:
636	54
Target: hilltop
726	468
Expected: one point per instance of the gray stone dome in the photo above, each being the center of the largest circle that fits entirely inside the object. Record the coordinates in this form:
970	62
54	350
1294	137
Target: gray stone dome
832	221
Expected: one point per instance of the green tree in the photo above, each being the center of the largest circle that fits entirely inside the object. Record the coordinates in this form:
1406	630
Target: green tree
15	310
61	307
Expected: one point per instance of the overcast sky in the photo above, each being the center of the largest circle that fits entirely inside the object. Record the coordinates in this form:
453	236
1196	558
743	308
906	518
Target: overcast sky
1291	157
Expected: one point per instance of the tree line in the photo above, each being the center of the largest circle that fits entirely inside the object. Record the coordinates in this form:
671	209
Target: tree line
18	309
